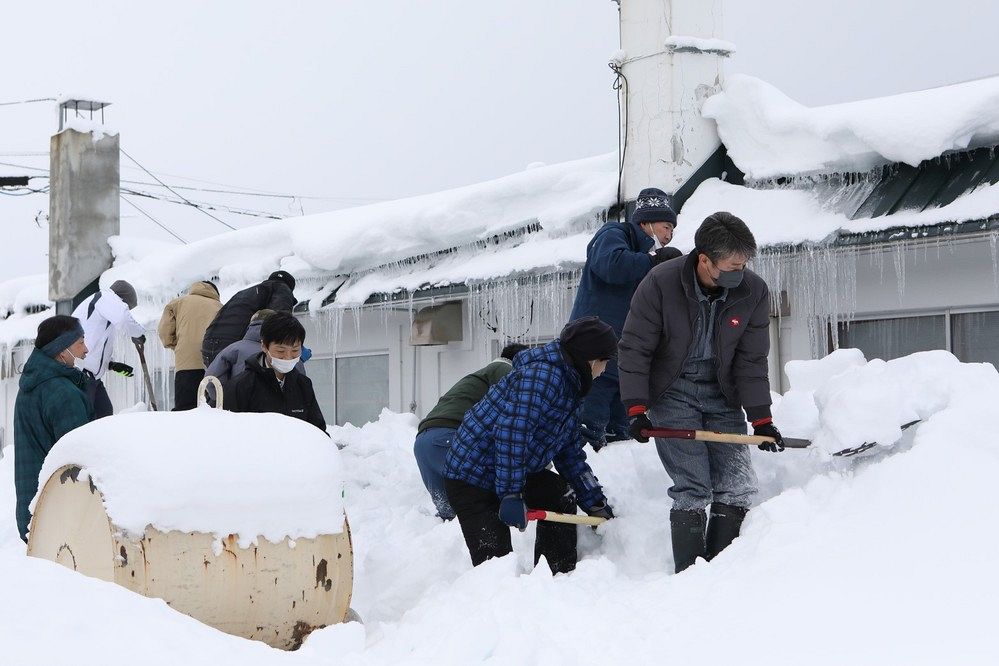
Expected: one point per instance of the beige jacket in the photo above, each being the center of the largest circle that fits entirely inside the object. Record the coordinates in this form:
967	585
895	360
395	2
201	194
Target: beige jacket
182	326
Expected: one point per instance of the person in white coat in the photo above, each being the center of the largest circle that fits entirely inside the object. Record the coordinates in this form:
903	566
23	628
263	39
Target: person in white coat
104	315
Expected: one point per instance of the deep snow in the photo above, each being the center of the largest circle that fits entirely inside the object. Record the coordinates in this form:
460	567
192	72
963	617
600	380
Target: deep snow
768	134
882	560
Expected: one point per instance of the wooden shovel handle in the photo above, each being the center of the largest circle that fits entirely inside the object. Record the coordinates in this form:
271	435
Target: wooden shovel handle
572	518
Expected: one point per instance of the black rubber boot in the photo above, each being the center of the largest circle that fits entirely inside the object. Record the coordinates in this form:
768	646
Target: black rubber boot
726	521
687	531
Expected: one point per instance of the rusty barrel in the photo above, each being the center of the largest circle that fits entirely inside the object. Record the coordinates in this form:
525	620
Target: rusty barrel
272	592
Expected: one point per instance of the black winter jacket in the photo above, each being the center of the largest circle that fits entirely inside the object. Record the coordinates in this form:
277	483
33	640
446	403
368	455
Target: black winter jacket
232	320
257	390
658	336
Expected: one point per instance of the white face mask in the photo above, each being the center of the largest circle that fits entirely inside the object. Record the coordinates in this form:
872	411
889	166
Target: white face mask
284	366
77	361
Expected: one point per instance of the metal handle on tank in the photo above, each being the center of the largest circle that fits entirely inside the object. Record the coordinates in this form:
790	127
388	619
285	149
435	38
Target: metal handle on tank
214	381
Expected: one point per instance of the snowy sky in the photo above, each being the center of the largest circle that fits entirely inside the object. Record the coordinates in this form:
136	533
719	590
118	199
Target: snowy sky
358	102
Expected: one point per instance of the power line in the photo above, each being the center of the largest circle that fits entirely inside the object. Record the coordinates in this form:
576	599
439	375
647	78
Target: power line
154	220
153	176
204	205
236	189
30	101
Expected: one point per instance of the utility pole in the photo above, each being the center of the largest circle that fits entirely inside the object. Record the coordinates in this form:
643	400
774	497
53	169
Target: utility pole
672	61
83	205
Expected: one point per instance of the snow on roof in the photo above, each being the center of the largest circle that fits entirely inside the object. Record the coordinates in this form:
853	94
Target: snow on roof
793	216
768	134
561	198
201	470
17	297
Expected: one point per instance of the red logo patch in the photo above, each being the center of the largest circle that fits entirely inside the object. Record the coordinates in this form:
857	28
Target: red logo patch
734	322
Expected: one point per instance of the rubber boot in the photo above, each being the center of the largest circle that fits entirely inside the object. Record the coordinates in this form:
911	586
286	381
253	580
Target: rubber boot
726	521
687	532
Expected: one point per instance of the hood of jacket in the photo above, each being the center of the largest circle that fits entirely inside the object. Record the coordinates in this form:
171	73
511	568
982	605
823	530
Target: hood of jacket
641	241
202	289
253	331
40	368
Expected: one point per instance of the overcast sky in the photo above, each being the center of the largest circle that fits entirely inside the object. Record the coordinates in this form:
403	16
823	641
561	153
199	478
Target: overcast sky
365	101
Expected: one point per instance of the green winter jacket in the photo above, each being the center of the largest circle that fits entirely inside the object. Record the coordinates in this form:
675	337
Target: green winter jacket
461	397
51	401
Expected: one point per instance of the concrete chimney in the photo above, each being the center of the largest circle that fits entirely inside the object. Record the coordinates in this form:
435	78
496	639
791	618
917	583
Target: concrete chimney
672	59
83	209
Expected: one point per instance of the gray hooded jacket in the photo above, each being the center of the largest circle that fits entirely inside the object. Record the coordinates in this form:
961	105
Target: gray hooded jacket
658	337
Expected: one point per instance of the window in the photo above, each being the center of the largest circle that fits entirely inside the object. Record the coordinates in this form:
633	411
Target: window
320	371
362	388
891	338
975	337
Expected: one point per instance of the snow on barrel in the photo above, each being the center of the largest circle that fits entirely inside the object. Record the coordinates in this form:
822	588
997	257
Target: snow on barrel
234	519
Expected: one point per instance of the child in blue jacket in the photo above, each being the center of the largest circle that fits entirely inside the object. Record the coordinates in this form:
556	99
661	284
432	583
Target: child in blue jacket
496	466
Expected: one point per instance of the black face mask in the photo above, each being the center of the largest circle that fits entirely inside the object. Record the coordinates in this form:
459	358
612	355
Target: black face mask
729	279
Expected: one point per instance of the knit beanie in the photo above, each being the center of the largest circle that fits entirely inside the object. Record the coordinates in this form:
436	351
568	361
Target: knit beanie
653	205
589	339
125	292
283	276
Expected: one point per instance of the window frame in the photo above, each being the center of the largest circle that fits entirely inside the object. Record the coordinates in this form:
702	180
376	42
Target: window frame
947	314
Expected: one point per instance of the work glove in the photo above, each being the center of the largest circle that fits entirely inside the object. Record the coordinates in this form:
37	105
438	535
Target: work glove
665	254
513	511
123	369
637	422
766	428
602	510
141	340
306	354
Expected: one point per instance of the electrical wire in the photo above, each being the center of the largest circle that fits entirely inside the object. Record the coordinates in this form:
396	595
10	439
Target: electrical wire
203	205
153	219
30	101
620	85
153	176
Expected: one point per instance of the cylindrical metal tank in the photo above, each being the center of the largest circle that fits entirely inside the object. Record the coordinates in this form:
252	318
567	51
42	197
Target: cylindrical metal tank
273	592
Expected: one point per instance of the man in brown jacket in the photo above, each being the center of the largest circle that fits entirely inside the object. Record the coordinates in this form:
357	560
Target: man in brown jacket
182	329
693	355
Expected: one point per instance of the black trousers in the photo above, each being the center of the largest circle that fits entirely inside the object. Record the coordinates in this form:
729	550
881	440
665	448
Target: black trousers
487	536
185	389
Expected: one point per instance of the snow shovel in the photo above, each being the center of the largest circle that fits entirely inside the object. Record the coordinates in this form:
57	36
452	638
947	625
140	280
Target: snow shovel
724	437
571	518
141	348
756	440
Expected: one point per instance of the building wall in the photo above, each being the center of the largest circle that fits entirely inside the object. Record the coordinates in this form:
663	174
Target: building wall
927	278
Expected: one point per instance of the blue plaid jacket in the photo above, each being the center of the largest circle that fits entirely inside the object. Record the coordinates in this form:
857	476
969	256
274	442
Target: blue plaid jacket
525	421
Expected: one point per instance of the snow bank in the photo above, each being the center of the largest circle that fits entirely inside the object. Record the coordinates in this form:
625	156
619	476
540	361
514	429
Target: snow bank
791	216
210	471
768	134
846	566
843	401
558	197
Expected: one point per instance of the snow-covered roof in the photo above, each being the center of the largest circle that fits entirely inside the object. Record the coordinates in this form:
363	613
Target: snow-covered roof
793	216
553	202
768	134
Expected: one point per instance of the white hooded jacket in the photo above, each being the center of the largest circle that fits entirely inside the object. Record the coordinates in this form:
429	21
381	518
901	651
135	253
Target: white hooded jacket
102	316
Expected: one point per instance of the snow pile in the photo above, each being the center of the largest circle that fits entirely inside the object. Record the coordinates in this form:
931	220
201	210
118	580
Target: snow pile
210	471
846	566
791	216
768	134
843	401
562	199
